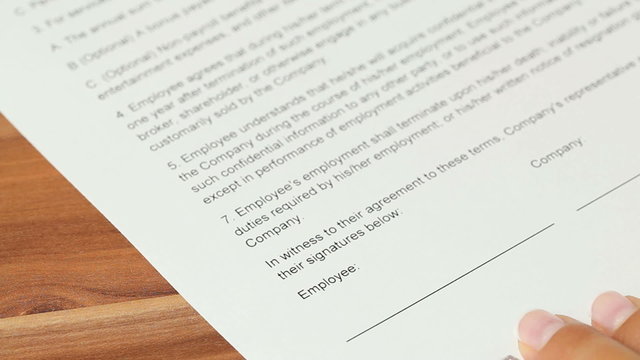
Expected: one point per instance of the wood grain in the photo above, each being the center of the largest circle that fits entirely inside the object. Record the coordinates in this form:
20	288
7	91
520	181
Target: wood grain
71	286
158	328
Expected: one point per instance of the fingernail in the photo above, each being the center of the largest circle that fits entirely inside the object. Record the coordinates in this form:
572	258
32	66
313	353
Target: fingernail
538	327
610	310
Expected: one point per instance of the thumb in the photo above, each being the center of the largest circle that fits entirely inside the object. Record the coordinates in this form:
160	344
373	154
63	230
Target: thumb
544	336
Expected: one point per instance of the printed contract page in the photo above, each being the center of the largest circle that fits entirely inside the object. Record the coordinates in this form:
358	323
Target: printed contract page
338	179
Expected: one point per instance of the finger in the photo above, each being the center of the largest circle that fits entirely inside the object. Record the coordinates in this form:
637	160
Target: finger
618	317
544	336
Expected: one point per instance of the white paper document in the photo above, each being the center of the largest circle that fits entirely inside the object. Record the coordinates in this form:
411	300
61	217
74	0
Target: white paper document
338	179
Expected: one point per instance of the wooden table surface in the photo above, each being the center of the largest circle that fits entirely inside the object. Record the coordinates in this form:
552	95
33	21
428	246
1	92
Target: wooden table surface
71	286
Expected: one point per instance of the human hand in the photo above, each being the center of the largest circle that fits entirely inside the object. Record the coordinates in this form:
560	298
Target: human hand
614	333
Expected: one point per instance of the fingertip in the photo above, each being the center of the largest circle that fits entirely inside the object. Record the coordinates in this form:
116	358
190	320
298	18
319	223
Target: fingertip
610	310
537	327
634	300
526	351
